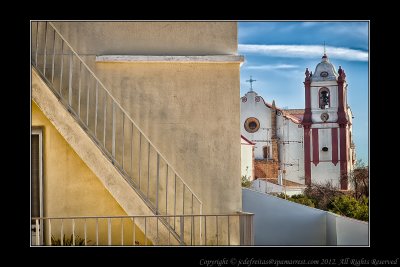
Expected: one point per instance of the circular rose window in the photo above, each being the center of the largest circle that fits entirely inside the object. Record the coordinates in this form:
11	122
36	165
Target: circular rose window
252	125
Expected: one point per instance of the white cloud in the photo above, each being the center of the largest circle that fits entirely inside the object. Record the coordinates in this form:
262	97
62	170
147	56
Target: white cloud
304	51
309	24
271	67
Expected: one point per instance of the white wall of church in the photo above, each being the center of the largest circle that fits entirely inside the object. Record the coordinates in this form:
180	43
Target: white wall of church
251	108
247	161
291	152
325	140
324	172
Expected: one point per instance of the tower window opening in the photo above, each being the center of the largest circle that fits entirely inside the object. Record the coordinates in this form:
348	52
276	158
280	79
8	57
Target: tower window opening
324	98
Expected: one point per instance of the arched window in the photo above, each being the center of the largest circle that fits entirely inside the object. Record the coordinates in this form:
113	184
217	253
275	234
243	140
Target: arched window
324	98
266	152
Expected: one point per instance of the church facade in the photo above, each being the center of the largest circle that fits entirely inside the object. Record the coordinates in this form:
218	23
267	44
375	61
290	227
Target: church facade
303	146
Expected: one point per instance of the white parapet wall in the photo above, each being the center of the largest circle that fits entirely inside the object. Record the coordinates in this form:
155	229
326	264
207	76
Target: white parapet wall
343	231
264	186
278	222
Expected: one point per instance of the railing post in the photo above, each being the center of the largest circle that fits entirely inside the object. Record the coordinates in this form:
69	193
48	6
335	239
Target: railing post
62	232
73	232
182	230
192	226
62	66
85	233
158	180
251	229
140	157
131	165
174	199
166	194
205	230
123	140
148	169
133	232
54	54
79	89
45	50
97	231
192	232
49	241
157	238
122	232
216	220
200	219
105	119
145	231
241	227
229	233
71	60
87	103
183	198
37	232
109	231
96	108
113	130
37	43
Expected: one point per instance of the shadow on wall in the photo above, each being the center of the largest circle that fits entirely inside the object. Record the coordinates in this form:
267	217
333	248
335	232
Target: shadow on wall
278	222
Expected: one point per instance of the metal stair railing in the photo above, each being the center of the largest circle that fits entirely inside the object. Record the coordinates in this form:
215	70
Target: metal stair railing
110	126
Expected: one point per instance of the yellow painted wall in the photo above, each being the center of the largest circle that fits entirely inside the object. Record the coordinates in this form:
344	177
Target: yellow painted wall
71	189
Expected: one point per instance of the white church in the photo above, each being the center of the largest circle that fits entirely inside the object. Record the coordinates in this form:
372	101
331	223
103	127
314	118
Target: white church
300	147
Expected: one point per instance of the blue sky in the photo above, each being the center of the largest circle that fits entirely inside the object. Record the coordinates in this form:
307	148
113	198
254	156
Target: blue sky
277	54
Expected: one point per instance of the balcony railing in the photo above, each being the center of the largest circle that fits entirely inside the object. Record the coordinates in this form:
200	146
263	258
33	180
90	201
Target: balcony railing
220	229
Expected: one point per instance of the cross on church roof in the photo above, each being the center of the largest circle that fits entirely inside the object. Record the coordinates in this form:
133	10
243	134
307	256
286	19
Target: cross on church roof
251	83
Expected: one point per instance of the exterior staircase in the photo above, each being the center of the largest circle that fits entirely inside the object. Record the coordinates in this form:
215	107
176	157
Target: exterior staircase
122	156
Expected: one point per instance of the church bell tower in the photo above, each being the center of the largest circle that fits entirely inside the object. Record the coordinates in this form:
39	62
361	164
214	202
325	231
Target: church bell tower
326	126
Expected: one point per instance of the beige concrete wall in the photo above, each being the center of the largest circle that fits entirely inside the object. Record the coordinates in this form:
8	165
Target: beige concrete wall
189	111
72	189
151	38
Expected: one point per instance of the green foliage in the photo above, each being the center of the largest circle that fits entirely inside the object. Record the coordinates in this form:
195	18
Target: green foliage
300	199
322	194
245	181
339	203
350	207
68	241
304	200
